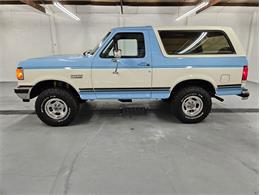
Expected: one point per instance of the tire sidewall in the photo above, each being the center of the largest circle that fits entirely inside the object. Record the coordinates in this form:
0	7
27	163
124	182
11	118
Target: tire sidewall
67	97
203	109
181	95
45	99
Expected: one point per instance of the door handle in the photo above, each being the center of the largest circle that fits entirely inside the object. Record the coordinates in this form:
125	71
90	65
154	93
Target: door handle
143	64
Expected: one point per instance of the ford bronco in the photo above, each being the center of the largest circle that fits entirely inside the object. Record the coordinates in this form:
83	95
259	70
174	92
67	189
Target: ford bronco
187	66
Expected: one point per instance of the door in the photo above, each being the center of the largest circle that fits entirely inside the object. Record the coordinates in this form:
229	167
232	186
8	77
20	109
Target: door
127	77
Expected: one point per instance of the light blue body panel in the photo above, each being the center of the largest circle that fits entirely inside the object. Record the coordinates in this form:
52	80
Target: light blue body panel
228	91
58	62
154	57
145	94
161	94
116	95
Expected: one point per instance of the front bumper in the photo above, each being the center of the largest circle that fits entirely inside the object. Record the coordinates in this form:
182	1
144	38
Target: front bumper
23	92
244	94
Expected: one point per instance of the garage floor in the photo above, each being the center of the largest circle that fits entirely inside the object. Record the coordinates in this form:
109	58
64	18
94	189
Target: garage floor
122	148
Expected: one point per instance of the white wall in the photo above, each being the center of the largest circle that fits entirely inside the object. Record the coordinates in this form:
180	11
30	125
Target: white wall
25	33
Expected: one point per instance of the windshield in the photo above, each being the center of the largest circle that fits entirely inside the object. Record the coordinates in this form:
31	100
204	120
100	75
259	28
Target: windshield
99	45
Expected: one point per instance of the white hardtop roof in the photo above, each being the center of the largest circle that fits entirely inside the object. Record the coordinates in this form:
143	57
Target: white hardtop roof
224	28
229	31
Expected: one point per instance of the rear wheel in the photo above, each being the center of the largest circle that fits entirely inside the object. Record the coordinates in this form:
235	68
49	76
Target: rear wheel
191	104
56	107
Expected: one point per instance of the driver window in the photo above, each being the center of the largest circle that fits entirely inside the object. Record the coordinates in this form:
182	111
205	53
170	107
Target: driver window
131	45
128	47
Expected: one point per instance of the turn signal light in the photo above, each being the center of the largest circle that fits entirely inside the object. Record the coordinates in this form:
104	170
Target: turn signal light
19	74
245	73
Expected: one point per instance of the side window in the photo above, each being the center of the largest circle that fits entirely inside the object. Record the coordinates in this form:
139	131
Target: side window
129	47
196	42
131	44
217	43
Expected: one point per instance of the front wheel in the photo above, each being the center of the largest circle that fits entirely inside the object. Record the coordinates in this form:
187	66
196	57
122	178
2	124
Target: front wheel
191	104
56	107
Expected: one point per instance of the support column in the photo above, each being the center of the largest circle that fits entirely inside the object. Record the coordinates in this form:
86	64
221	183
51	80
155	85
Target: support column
53	34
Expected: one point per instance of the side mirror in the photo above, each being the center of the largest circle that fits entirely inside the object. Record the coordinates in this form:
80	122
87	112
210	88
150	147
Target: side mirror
117	53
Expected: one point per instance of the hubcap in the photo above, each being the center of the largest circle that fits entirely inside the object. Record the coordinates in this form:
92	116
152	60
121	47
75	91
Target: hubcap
192	105
56	108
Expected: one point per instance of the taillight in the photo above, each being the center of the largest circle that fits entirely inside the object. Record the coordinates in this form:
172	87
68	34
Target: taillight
245	73
19	74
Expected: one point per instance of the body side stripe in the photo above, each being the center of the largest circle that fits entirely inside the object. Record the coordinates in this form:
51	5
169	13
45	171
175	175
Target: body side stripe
229	91
126	89
229	86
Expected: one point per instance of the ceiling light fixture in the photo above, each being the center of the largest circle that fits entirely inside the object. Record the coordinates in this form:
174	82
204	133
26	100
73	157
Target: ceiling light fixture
201	5
63	9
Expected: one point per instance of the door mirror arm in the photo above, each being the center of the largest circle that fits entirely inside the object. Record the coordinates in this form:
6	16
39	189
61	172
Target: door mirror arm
117	56
116	69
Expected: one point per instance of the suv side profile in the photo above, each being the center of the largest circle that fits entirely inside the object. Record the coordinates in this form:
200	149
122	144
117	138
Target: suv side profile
187	66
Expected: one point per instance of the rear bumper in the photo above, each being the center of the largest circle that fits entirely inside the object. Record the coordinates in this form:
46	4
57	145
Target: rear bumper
244	94
23	92
238	90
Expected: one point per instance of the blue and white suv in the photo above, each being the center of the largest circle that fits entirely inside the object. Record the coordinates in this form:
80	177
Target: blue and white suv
185	65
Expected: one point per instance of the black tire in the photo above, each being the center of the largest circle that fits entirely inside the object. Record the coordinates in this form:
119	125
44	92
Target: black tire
191	92
72	106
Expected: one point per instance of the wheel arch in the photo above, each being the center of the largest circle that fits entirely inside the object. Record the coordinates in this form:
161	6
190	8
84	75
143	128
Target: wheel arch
205	84
51	83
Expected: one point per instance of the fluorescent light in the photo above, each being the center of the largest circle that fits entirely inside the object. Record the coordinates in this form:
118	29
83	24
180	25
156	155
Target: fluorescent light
194	43
62	8
201	5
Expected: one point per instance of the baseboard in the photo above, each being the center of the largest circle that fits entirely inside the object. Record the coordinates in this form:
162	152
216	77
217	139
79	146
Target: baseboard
8	81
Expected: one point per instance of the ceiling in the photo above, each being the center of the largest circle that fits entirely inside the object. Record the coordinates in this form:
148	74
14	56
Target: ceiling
139	2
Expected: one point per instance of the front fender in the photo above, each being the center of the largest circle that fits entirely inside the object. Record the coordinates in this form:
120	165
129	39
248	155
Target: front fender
81	80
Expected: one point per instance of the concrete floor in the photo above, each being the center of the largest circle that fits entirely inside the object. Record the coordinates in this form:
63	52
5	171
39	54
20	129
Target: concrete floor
139	148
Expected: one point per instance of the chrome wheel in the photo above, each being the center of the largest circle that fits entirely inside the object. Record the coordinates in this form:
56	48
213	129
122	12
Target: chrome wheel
192	106
56	108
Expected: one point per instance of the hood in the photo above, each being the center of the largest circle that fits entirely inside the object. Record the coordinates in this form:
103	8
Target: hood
56	62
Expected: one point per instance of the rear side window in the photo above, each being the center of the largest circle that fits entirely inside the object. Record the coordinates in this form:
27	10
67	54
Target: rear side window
196	42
